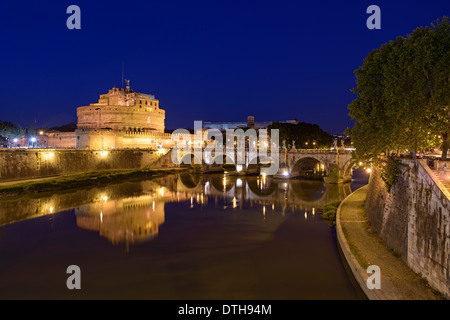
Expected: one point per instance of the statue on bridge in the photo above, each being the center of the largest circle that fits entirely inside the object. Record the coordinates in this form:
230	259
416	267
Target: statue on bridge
293	146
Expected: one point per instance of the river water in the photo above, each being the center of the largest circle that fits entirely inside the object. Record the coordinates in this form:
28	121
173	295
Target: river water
178	237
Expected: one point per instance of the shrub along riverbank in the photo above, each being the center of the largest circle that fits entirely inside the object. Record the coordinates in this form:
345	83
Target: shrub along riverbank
81	180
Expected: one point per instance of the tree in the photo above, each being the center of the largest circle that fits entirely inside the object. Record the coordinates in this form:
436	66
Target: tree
306	135
403	93
11	131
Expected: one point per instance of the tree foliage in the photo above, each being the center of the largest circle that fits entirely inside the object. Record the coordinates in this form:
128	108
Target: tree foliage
11	130
403	94
304	134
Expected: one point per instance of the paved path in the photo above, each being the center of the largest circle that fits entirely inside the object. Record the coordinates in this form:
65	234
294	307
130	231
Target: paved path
363	247
443	177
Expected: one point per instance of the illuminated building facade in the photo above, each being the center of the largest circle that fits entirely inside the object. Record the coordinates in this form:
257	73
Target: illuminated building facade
122	118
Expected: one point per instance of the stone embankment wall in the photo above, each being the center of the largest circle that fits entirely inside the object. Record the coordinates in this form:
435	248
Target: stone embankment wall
38	163
414	220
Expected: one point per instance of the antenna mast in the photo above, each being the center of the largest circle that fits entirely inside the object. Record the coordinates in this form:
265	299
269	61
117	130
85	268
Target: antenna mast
122	74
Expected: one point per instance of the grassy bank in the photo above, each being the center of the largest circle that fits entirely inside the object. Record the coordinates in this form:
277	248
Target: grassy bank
96	178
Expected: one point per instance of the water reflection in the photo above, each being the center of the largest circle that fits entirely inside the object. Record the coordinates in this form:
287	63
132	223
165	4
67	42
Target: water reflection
134	212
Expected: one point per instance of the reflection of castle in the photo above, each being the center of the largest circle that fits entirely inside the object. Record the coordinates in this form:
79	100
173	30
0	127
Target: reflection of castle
128	220
132	219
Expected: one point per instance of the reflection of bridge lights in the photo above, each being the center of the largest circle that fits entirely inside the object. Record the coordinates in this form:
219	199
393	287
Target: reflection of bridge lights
192	201
312	211
51	209
264	210
234	202
239	183
101	216
224	183
273	206
161	191
104	198
153	205
306	215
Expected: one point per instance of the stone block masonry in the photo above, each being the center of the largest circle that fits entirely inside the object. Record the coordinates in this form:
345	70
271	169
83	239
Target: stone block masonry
39	163
414	220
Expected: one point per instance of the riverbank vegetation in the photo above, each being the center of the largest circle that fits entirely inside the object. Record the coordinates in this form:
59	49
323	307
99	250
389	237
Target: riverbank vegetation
87	179
329	212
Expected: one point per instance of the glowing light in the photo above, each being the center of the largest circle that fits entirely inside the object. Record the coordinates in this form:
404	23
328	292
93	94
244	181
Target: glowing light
104	154
239	167
273	207
104	198
360	163
33	139
239	183
101	216
369	170
51	209
312	211
306	215
153	205
234	202
15	140
41	132
264	210
286	173
161	191
48	155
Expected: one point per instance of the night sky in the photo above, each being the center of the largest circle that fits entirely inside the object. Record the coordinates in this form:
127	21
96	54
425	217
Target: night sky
204	60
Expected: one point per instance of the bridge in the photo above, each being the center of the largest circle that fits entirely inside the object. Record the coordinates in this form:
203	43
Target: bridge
333	165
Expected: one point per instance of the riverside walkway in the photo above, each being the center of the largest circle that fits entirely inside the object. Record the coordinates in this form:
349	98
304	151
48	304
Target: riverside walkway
362	247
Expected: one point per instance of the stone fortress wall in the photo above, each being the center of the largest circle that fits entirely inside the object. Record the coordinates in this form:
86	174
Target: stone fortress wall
38	163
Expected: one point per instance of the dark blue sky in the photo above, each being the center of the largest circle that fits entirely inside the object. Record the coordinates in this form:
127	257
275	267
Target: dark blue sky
204	60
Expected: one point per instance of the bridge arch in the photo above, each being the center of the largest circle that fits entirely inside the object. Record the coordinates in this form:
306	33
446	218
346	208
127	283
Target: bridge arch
347	171
189	159
309	166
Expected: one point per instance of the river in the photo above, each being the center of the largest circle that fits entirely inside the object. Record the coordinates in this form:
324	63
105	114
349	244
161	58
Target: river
181	236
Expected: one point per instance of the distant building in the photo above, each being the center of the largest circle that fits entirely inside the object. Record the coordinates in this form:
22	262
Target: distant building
224	125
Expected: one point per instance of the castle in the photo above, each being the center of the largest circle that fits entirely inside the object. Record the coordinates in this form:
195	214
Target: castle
122	118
